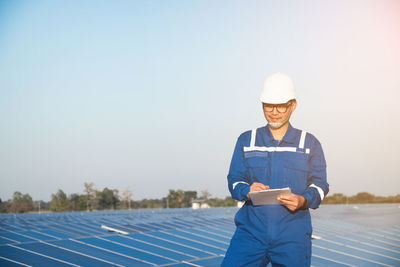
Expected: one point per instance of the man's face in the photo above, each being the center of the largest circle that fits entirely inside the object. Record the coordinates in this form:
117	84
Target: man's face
278	115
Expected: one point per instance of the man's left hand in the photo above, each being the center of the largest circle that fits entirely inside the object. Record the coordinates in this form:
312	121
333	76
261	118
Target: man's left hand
292	201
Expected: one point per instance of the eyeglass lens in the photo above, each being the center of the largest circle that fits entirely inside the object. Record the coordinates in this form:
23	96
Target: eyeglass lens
281	108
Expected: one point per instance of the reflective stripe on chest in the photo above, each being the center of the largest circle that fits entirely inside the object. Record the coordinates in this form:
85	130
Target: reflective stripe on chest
299	149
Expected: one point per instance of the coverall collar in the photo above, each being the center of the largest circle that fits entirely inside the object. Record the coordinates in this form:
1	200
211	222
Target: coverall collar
289	137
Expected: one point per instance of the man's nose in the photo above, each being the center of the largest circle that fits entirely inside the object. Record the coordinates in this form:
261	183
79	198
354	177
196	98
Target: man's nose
275	111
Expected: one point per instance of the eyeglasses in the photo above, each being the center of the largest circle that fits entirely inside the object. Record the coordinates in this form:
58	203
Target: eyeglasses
281	108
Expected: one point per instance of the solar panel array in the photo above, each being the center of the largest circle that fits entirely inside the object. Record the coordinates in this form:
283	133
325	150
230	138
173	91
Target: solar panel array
186	237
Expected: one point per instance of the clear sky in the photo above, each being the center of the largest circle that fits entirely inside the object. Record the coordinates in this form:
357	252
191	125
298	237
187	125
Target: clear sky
152	95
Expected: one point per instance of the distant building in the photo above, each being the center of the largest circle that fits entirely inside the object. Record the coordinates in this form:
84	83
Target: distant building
200	204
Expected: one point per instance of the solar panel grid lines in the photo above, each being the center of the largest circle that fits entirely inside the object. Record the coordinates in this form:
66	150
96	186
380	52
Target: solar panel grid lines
23	237
199	262
328	261
213	236
197	253
173	225
333	227
136	248
8	262
390	237
392	234
368	254
155	227
163	226
82	254
180	244
61	254
182	233
221	230
114	252
69	230
60	262
37	235
176	254
351	258
181	223
352	240
211	261
349	240
193	223
59	234
393	230
10	227
136	228
12	240
49	235
188	264
205	246
89	228
378	240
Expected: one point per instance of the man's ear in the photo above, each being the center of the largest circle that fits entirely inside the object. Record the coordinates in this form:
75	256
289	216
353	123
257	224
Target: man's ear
294	105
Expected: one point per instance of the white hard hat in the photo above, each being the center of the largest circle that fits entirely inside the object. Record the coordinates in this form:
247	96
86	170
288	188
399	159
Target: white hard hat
278	89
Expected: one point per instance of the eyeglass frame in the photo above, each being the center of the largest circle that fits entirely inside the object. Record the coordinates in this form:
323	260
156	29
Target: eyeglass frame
277	106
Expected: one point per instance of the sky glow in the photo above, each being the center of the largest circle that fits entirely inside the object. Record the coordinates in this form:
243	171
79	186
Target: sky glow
152	95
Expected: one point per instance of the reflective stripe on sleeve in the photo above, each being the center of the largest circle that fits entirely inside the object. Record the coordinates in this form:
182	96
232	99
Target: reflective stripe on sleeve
235	184
320	191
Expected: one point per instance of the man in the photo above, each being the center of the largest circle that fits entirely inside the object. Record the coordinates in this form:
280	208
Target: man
276	156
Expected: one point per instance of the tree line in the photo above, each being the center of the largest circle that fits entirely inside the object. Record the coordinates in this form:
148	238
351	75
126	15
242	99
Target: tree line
360	198
106	199
111	199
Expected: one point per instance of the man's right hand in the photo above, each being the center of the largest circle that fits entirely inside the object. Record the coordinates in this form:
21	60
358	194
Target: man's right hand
257	187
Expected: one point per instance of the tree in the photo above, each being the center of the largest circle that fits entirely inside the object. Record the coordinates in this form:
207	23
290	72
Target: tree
77	202
107	198
205	195
180	198
4	206
188	196
175	198
218	202
59	201
337	198
363	197
21	203
126	197
90	195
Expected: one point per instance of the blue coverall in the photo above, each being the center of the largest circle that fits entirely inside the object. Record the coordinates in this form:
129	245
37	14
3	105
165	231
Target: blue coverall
273	233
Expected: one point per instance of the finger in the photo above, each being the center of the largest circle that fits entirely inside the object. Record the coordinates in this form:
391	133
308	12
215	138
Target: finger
286	202
290	207
263	186
283	198
260	186
287	197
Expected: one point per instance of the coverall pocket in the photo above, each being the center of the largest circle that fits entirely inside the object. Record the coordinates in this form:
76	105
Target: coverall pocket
258	168
295	174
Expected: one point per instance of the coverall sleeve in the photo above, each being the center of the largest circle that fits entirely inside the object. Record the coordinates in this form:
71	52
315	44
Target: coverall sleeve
237	178
318	187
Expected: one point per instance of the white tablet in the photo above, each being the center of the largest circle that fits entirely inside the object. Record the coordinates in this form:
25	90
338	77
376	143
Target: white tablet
268	197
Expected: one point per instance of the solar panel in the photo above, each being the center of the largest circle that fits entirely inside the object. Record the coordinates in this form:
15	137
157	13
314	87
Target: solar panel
366	236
